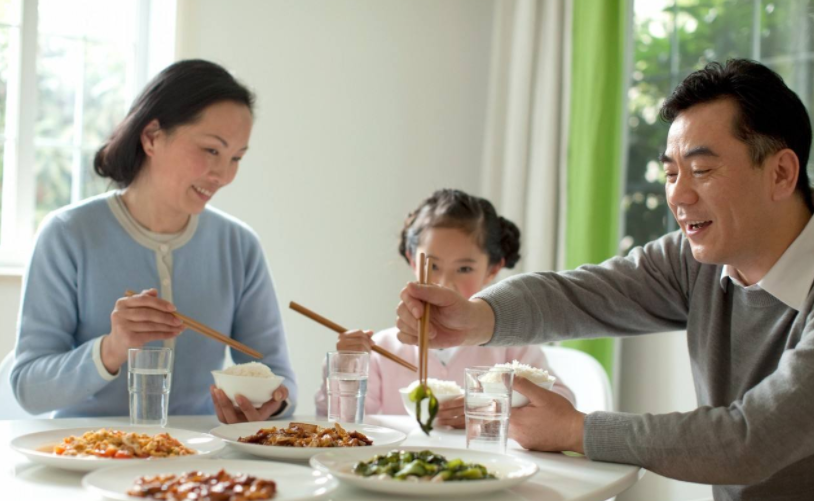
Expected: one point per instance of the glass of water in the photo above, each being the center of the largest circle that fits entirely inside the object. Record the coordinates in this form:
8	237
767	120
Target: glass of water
487	407
149	377
347	385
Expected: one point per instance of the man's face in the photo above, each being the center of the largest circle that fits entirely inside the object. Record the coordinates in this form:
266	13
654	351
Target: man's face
719	198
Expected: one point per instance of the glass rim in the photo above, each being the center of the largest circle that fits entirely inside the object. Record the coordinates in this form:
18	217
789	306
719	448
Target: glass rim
488	368
149	348
348	352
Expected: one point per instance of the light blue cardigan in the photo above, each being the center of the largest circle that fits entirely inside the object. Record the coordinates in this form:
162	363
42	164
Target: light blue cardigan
84	259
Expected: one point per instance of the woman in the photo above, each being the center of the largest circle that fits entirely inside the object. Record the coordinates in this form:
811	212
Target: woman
469	243
179	144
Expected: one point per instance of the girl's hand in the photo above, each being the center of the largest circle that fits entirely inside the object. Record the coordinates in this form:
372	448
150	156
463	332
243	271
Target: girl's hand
135	321
357	340
245	411
451	413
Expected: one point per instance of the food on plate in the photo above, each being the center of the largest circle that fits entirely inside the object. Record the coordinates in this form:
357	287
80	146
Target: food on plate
308	435
117	444
250	369
533	374
220	486
423	466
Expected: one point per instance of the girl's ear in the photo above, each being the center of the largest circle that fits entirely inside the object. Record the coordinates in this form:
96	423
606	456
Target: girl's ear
149	134
494	270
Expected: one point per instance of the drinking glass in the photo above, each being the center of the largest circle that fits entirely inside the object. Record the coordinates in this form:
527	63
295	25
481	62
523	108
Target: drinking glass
149	377
487	407
347	385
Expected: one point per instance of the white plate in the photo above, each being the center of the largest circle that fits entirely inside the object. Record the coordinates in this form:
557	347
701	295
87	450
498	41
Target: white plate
294	483
35	447
509	470
231	432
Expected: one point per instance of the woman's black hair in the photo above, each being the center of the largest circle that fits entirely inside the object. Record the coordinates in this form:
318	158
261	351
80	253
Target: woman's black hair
498	237
176	96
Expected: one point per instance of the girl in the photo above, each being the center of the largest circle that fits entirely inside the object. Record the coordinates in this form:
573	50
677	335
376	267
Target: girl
469	244
180	143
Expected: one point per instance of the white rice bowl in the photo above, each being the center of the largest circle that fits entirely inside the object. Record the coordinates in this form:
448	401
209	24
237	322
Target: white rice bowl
253	380
443	391
537	376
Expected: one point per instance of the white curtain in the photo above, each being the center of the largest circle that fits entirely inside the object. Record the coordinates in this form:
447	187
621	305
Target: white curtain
525	143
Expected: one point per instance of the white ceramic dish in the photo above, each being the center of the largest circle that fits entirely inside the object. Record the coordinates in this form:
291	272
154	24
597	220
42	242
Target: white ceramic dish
294	483
37	447
410	406
257	389
509	470
520	400
231	432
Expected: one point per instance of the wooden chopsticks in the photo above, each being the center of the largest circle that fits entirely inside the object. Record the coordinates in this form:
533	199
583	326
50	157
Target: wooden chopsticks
425	267
211	333
338	328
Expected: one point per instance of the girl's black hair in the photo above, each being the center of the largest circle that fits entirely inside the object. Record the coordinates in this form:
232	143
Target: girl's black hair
176	96
498	237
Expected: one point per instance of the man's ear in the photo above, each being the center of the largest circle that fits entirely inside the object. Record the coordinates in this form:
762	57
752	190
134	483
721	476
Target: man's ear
785	171
149	134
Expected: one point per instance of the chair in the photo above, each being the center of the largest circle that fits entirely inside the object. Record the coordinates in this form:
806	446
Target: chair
9	408
584	375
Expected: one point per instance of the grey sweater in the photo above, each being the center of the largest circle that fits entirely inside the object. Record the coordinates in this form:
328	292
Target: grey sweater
752	435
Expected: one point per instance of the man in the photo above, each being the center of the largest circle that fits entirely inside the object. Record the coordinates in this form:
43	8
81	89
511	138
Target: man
737	277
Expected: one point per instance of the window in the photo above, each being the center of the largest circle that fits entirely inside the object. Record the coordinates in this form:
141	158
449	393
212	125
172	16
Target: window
68	73
672	38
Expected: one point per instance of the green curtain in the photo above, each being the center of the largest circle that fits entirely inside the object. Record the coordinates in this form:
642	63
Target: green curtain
595	143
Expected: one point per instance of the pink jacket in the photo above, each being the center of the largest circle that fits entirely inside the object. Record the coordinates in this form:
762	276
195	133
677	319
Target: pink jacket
387	377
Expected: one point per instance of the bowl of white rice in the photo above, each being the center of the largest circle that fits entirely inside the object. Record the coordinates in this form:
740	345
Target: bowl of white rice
253	380
537	376
443	391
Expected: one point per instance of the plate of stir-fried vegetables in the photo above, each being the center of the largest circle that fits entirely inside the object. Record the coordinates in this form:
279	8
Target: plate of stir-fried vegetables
422	472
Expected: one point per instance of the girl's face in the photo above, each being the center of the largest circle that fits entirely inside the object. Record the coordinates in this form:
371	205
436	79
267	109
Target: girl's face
458	262
186	167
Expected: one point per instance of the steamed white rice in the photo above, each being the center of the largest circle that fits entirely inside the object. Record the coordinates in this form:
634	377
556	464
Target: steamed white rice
439	387
533	374
250	369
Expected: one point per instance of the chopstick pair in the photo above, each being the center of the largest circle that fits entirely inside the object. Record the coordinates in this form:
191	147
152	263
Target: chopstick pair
316	317
210	333
425	267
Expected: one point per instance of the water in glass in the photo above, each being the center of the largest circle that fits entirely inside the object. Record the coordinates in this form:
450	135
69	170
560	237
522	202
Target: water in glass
346	397
149	396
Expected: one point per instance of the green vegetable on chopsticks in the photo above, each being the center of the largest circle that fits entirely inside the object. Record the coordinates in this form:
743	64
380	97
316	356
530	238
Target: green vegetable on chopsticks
419	394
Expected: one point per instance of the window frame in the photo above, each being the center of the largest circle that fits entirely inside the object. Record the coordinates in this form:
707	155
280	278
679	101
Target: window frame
154	49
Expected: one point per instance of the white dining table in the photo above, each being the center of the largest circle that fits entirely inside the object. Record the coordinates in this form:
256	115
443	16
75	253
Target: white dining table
561	477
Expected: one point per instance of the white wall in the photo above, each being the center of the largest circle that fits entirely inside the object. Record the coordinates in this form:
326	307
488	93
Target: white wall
9	308
655	377
364	108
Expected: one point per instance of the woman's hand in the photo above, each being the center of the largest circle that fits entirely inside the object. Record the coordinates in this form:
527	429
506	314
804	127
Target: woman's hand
451	413
135	321
357	340
245	411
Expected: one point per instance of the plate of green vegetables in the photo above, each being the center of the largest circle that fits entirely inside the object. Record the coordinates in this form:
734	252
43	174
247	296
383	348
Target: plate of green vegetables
419	471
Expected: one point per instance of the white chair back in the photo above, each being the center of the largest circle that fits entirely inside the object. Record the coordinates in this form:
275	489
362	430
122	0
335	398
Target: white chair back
584	375
9	408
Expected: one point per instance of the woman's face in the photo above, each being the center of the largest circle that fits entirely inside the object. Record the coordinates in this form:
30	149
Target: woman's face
187	166
458	262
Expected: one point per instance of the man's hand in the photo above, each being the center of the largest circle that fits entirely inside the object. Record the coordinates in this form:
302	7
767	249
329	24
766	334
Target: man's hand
244	411
549	423
454	320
